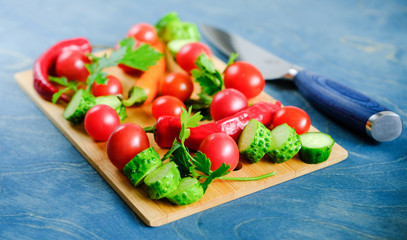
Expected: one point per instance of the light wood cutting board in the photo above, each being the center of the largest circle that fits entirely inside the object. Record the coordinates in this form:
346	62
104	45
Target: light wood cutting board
159	212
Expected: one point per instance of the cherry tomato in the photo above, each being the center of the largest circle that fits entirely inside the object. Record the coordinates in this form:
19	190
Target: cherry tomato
100	121
167	106
125	142
187	55
143	32
220	148
179	85
71	64
295	117
113	86
244	77
226	103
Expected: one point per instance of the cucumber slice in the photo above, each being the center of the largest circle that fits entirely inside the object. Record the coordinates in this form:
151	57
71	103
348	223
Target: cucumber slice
285	143
189	191
175	45
114	102
254	141
79	105
163	181
141	165
316	147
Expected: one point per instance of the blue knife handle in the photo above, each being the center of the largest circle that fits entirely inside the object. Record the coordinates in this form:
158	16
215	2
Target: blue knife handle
342	103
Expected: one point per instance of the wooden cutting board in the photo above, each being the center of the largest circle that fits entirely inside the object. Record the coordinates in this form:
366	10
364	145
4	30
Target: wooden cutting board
159	212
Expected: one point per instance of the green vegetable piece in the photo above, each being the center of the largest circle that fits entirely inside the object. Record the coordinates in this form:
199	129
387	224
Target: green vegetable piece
79	105
164	21
254	141
141	165
316	147
137	96
175	45
285	143
189	191
163	181
114	102
180	30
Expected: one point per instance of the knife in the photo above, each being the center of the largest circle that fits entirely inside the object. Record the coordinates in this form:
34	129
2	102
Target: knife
340	102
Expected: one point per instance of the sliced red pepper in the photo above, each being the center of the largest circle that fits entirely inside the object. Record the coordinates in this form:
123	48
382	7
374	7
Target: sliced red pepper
46	62
168	128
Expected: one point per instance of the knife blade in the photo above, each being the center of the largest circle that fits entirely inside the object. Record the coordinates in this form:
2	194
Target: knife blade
340	102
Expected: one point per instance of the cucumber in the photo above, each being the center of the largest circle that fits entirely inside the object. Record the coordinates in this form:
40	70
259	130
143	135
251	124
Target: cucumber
316	147
163	181
79	105
254	141
285	143
114	102
141	165
189	191
175	45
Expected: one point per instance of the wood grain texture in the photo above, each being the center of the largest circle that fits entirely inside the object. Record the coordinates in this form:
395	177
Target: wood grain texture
159	212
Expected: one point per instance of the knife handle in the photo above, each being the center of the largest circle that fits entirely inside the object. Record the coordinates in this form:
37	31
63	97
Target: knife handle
349	107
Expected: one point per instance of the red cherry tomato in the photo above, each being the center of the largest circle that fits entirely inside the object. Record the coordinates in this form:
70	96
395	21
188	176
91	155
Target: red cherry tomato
179	85
244	77
187	55
143	32
71	64
226	103
167	106
295	117
125	142
100	121
113	86
220	148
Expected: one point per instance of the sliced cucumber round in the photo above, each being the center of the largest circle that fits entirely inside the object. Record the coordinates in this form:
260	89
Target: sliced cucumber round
316	147
285	143
254	141
141	165
79	105
163	181
189	191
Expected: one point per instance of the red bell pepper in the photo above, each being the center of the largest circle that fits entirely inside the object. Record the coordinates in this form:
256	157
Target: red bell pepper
168	128
45	64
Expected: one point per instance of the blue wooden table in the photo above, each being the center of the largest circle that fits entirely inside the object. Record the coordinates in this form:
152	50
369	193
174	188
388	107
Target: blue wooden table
49	191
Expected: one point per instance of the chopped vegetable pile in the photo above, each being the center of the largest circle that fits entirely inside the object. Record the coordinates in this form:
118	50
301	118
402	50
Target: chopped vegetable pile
198	152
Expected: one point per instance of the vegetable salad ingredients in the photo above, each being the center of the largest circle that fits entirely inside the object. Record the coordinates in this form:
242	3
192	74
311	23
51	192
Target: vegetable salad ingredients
254	142
295	117
163	181
168	128
125	142
43	66
100	121
316	147
244	77
285	143
141	165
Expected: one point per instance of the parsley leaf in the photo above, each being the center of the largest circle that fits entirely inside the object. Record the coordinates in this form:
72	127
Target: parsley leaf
202	163
141	58
188	121
221	171
68	85
207	76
